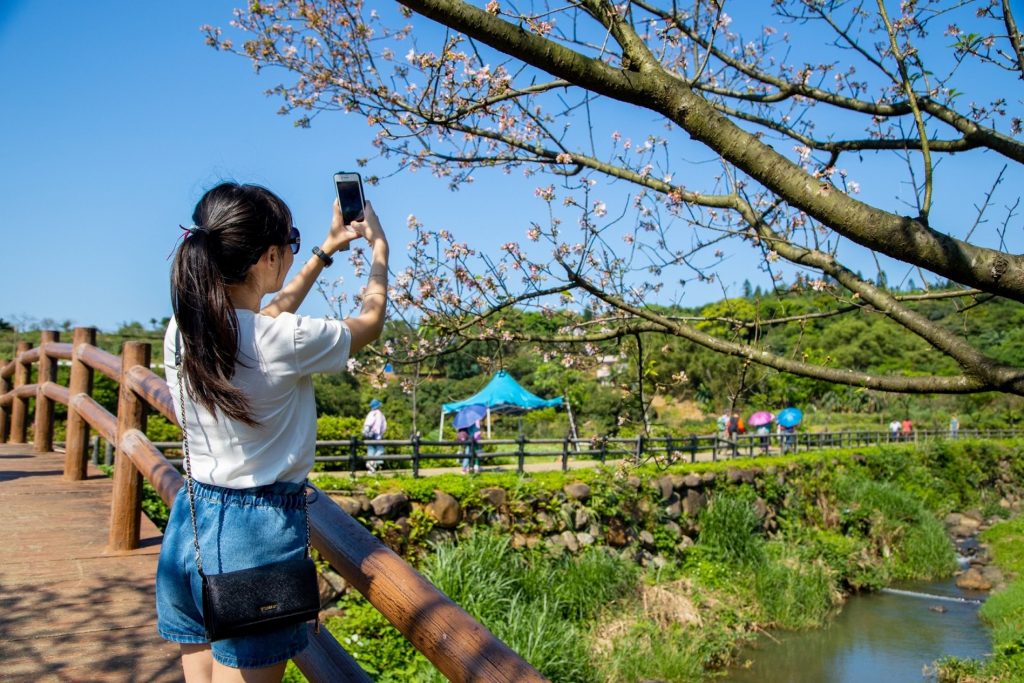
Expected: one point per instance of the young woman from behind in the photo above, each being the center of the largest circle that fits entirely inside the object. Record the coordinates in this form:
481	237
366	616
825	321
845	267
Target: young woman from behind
249	408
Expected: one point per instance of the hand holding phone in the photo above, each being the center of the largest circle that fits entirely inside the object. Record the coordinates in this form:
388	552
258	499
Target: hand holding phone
350	195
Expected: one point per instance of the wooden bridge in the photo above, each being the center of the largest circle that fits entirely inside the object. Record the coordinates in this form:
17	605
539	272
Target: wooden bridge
76	583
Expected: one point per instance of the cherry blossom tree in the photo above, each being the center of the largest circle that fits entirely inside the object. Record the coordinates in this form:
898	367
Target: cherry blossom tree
815	135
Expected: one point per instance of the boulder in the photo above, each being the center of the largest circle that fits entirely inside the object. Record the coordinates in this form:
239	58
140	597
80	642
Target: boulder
953	519
760	508
577	491
331	586
664	488
445	510
647	539
674	530
389	505
494	496
734	476
674	510
693	481
694	502
364	502
615	534
570	542
545	522
975	515
678	481
585	539
708	478
963	531
634	482
973	580
581	519
349	504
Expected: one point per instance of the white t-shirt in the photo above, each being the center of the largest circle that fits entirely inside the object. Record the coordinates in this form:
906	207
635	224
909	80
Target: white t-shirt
276	358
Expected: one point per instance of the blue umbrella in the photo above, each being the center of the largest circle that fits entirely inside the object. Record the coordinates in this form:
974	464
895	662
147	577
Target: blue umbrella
469	416
789	417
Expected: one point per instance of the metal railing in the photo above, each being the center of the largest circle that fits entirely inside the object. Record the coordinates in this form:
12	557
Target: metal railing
418	454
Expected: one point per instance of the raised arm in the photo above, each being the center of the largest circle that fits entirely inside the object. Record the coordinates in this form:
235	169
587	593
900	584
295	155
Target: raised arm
295	291
368	325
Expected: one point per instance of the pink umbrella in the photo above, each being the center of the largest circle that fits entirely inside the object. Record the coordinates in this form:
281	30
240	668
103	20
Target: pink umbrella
762	417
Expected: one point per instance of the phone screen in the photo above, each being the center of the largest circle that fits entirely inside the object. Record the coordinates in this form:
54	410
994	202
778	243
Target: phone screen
350	196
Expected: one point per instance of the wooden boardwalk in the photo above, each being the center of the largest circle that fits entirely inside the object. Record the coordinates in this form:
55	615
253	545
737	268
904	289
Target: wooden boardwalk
70	610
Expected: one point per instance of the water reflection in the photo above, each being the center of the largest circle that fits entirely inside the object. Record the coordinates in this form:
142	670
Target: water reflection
878	637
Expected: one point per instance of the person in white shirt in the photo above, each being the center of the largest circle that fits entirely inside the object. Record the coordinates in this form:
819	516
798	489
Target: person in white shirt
249	408
374	427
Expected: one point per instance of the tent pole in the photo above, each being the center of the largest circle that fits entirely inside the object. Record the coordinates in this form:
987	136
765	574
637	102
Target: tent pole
440	427
488	423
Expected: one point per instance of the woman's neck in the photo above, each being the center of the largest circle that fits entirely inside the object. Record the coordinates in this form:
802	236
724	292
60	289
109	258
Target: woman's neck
244	296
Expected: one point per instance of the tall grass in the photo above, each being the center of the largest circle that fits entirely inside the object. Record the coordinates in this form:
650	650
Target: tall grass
731	532
534	603
900	525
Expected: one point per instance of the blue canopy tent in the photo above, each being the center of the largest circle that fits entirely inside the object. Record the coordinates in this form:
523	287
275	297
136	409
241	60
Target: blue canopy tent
502	395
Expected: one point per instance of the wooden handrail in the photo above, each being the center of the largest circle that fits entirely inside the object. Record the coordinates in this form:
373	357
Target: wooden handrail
98	417
98	359
460	647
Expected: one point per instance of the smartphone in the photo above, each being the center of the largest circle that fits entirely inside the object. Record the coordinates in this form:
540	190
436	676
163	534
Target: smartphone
350	195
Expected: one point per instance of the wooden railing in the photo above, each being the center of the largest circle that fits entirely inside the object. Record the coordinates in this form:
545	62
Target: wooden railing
460	647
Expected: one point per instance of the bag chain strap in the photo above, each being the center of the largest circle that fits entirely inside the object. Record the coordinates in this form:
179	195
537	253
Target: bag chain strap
188	468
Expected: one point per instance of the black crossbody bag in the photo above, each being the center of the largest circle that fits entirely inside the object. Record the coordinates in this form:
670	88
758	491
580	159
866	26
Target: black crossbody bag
256	600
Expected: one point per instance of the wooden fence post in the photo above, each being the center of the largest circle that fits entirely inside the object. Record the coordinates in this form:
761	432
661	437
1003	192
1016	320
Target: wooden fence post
19	406
44	406
353	456
565	454
415	455
521	453
126	506
5	386
76	451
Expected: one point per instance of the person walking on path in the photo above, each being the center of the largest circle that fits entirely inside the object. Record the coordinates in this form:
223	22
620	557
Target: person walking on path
243	372
894	430
469	437
954	427
374	427
906	429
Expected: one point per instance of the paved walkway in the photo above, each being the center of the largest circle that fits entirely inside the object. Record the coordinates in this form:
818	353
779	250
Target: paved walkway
69	610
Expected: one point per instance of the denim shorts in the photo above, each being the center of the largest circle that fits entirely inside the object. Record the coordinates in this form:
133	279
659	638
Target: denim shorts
238	529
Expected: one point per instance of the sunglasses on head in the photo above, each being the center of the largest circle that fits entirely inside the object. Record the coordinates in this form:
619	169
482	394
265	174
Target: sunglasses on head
294	239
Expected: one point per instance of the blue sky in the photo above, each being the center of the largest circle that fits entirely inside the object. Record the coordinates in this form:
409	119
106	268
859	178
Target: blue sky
116	117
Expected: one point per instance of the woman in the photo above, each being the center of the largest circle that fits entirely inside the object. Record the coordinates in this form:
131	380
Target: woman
249	407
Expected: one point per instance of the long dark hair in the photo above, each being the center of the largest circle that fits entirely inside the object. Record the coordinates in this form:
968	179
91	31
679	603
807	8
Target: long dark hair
233	226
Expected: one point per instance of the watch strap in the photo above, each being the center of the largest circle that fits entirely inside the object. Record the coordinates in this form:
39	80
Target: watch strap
328	261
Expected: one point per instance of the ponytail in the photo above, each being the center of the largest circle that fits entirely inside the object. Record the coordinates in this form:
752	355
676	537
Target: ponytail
234	226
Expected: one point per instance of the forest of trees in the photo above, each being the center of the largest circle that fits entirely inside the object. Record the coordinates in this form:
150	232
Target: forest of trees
665	384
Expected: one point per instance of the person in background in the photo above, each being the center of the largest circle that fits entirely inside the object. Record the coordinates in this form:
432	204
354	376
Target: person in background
374	427
723	426
469	437
906	429
954	427
240	371
764	431
894	430
732	427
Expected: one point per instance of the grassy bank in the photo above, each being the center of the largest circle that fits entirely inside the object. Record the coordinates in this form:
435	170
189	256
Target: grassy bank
781	549
1003	612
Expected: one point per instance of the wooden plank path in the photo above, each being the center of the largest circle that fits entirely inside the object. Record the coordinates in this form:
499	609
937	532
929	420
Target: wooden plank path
69	609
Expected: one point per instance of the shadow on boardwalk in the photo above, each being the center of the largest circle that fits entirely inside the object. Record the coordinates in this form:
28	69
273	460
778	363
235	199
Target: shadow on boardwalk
69	610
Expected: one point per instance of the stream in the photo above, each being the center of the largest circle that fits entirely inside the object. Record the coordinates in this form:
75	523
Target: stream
893	635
